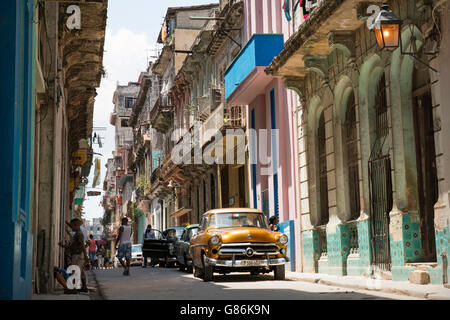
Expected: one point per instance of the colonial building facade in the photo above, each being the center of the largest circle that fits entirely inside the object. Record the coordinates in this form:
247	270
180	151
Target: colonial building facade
371	140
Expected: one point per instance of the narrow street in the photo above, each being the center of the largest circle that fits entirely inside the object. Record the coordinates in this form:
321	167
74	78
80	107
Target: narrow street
172	284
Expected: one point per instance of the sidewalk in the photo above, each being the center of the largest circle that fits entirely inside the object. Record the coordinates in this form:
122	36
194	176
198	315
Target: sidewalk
428	291
59	294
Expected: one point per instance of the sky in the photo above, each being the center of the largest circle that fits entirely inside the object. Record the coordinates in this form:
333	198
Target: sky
132	29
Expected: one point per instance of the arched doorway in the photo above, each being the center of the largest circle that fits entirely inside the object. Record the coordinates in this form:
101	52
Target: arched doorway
427	182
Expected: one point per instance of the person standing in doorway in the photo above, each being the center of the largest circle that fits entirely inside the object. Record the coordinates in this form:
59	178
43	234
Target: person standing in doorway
124	246
273	223
149	234
92	249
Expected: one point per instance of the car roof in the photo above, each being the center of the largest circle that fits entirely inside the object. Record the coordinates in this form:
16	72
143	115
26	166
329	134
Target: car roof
234	210
191	226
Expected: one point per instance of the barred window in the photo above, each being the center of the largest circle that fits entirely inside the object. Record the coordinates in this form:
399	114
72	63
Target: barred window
351	150
381	118
323	185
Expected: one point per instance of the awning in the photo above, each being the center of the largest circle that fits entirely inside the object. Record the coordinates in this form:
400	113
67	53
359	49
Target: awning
144	205
180	212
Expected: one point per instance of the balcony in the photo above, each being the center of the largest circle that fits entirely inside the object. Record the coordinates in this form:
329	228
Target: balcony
245	78
161	115
208	103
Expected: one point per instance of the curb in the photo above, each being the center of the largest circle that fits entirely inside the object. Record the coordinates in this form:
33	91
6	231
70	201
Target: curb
399	291
98	293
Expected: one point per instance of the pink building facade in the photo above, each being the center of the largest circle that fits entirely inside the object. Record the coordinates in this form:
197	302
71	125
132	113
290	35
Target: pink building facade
273	185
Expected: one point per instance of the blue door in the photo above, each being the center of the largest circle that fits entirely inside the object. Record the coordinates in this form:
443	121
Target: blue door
17	131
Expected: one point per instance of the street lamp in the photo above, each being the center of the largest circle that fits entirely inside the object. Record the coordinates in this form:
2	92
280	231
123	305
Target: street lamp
387	29
388	34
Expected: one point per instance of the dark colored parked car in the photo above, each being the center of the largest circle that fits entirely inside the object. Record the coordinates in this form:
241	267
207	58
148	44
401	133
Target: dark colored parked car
162	247
158	247
172	234
182	247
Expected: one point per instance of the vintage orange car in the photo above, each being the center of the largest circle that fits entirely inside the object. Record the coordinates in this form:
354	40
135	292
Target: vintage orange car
237	240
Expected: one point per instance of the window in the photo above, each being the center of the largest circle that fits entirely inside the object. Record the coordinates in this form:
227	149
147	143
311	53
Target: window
203	224
192	232
351	156
204	196
236	220
129	102
124	123
323	182
213	192
381	120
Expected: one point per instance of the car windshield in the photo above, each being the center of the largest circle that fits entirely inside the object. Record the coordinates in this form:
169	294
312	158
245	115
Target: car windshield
179	232
234	220
192	232
154	235
176	232
136	248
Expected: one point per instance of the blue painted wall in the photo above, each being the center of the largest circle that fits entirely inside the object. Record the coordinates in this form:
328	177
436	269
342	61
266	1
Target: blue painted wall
17	131
259	52
287	227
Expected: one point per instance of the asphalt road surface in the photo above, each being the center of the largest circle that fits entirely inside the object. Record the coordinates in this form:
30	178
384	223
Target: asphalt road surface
171	284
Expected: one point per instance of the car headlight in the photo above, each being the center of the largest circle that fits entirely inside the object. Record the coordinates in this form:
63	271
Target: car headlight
283	239
214	240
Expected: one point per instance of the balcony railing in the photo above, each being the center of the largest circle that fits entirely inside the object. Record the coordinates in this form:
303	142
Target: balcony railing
161	115
208	103
257	54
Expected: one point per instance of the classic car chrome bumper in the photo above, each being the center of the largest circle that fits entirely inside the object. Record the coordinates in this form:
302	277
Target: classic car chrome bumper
245	263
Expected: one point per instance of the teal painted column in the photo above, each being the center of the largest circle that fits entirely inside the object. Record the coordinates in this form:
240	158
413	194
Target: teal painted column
360	258
310	251
338	248
441	273
405	243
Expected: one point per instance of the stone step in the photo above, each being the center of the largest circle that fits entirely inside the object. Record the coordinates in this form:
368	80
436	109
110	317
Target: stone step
419	277
422	265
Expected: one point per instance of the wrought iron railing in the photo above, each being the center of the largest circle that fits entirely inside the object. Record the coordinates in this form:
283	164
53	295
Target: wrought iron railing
352	228
322	232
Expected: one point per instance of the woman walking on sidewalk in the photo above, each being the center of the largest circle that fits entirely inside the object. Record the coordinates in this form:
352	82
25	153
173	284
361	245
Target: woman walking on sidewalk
124	247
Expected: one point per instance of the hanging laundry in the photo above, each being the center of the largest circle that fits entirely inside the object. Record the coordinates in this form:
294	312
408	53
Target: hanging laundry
296	5
286	8
164	32
307	6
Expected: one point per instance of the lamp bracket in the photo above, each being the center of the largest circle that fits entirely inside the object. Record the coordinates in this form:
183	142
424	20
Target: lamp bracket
414	53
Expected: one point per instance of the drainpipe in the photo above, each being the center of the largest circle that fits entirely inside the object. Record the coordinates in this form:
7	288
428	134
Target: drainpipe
444	268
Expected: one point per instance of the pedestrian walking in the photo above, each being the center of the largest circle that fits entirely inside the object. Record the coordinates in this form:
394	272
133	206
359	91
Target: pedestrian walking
107	262
92	249
273	223
101	257
149	234
124	246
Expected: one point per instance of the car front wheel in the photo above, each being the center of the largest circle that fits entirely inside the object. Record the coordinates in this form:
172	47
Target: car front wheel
279	272
208	271
198	273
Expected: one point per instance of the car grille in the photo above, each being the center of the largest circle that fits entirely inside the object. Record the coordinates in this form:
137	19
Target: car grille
259	249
